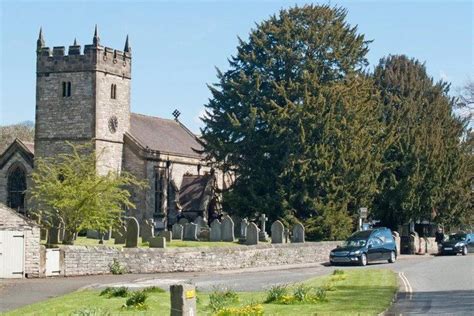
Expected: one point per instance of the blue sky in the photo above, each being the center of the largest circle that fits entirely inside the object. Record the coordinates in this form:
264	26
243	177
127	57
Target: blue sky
177	44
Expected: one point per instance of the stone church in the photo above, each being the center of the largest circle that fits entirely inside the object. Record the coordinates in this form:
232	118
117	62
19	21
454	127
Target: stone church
84	96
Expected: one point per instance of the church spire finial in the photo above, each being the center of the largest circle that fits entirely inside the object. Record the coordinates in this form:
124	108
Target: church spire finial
127	48
40	41
75	42
96	40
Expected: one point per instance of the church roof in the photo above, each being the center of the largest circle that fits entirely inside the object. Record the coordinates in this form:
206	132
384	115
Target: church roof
25	149
163	135
195	194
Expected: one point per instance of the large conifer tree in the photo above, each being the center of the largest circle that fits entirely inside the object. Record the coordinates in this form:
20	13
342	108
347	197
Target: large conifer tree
296	119
426	168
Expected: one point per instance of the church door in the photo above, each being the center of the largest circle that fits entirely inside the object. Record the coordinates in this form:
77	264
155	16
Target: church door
16	189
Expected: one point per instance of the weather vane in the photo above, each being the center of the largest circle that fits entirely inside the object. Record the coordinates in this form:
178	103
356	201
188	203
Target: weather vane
176	114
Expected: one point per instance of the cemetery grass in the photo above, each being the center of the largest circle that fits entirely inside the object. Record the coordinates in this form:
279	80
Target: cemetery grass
84	241
363	292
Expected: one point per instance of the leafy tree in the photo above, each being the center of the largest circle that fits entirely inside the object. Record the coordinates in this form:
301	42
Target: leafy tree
425	167
24	131
296	119
67	189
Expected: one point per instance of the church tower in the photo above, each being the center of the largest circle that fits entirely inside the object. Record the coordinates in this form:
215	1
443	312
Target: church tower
83	97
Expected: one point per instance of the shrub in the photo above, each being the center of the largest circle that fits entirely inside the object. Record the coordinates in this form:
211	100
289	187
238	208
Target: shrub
300	293
275	293
116	268
249	310
153	289
338	277
338	272
136	301
320	294
328	286
115	292
219	299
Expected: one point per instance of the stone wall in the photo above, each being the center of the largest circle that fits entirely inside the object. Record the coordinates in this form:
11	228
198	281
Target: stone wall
85	260
12	221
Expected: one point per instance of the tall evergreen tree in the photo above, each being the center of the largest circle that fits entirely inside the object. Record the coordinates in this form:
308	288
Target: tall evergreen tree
424	169
295	118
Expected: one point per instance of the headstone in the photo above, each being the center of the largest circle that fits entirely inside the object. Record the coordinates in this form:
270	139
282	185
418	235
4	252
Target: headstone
277	232
263	236
252	234
43	234
190	231
92	234
183	300
53	236
168	235
133	231
243	230
120	235
216	231
286	234
177	230
183	221
147	230
298	233
201	223
157	242
227	229
106	235
237	221
204	234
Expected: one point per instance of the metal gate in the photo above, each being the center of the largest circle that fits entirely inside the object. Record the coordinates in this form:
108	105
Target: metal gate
12	254
52	262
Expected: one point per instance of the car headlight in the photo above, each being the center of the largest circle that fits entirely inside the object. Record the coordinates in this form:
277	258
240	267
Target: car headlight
458	244
332	253
355	252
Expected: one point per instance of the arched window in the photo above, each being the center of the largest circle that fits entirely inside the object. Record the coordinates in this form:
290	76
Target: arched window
113	91
16	188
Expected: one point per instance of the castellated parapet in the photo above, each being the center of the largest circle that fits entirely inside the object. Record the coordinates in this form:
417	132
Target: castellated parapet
94	58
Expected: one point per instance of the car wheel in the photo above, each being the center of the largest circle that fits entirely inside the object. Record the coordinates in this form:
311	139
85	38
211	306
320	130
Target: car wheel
464	251
363	260
393	257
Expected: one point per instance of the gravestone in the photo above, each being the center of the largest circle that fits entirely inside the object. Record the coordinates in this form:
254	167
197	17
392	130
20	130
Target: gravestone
237	221
168	235
158	242
227	229
204	234
298	233
177	231
147	230
43	234
201	223
120	235
183	300
216	231
133	232
243	230
252	234
53	236
277	229
190	231
106	235
183	221
263	236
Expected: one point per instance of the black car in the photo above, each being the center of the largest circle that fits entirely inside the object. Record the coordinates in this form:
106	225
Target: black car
366	246
457	243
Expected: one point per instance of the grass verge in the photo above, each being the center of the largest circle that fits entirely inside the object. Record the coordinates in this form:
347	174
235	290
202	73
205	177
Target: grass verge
361	292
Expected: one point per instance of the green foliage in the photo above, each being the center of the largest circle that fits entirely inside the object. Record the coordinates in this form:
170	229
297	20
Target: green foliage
301	293
427	173
338	272
116	268
296	120
136	301
153	289
67	190
276	293
219	299
115	292
248	310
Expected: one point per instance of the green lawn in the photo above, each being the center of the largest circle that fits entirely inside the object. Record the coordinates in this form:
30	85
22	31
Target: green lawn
84	241
363	292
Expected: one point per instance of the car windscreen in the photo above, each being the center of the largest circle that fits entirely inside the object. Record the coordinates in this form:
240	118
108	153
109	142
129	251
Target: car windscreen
355	242
457	237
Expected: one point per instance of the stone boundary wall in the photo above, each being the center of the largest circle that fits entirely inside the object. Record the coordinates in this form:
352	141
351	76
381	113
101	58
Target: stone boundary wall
90	260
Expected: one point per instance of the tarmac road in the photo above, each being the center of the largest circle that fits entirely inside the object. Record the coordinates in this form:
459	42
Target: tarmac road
442	285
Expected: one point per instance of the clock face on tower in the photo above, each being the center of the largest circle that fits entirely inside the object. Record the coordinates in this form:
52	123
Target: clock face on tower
113	124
